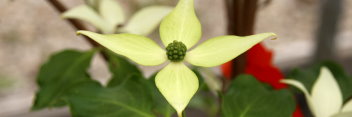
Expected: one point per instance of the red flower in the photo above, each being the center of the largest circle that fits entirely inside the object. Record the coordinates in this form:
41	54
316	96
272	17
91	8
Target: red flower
259	64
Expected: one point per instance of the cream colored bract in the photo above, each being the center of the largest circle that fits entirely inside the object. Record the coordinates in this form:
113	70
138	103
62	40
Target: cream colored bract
110	18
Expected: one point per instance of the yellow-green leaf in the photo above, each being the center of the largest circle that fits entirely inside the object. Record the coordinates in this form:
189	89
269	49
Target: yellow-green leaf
140	49
146	20
219	50
178	84
181	24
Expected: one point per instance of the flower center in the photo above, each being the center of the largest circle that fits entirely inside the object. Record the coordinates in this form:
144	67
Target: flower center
176	51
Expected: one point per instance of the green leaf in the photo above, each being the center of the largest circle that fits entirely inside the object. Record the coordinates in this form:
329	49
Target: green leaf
121	69
219	50
146	20
181	24
305	76
247	97
178	84
112	12
61	73
130	99
85	13
140	49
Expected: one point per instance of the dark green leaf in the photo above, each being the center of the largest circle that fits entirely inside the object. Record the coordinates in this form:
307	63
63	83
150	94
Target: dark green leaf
132	98
60	74
247	97
121	69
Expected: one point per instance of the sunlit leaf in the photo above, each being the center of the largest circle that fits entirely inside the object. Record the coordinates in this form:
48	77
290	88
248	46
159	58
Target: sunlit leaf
146	20
85	13
219	50
60	74
140	49
181	24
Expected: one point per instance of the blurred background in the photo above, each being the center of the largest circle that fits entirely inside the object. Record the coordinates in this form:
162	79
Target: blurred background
31	30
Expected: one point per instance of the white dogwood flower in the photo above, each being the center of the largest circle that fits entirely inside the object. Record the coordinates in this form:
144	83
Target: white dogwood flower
179	31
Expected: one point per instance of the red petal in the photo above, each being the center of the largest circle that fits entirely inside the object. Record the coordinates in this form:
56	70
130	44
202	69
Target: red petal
298	112
258	55
267	74
227	70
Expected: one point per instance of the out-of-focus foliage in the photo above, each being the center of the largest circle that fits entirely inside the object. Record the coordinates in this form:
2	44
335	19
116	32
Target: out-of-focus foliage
62	72
132	98
120	75
64	80
247	97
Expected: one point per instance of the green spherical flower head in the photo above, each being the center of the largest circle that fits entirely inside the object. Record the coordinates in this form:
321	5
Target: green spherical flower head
176	51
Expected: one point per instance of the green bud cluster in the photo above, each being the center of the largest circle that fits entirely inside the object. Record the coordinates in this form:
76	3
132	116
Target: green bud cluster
176	51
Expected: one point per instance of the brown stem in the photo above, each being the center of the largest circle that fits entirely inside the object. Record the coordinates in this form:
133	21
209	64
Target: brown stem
241	18
76	24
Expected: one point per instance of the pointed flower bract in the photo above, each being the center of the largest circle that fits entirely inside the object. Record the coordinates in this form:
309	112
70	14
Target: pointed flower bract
108	17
